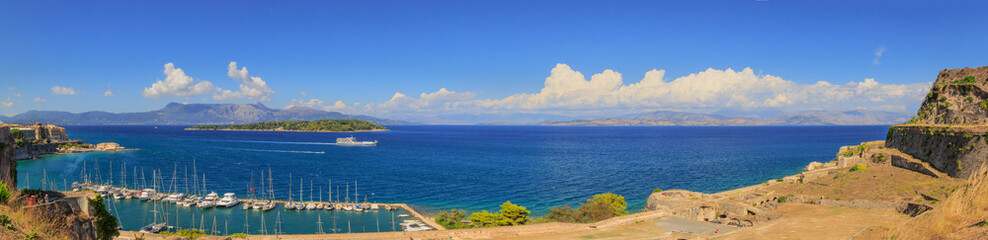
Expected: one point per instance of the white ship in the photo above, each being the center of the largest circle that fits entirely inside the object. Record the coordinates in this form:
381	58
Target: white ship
351	141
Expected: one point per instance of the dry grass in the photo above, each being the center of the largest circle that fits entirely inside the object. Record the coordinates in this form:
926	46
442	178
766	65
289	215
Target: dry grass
879	182
958	217
25	223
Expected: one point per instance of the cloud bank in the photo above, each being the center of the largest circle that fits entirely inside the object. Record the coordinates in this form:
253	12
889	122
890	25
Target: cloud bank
569	92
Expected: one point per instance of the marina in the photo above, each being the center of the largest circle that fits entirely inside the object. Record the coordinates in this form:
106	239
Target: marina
168	211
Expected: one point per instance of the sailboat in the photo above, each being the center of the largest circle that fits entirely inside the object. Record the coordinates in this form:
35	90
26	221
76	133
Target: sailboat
311	205
270	202
155	226
300	205
290	205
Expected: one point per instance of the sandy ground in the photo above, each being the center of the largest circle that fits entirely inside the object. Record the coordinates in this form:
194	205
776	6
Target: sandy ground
806	221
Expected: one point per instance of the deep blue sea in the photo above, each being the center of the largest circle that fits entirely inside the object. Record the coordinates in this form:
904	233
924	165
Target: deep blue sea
435	168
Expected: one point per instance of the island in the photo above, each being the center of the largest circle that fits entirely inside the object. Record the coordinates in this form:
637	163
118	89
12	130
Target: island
324	125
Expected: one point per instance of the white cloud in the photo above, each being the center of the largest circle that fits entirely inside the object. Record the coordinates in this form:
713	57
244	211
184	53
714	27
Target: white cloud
7	103
17	95
109	92
58	90
176	84
10	88
39	99
250	87
878	55
568	92
318	104
303	94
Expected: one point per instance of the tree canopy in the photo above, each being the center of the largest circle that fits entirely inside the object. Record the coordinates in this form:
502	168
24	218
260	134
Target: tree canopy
334	125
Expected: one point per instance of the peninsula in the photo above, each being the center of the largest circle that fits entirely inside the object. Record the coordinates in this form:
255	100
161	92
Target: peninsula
325	125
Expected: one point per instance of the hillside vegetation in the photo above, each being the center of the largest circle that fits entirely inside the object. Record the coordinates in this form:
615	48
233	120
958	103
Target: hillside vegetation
325	125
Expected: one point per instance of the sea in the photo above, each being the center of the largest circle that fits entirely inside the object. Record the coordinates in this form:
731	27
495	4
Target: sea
431	168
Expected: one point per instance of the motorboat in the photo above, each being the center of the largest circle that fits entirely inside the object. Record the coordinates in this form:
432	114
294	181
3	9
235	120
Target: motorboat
153	228
146	194
228	200
351	141
175	197
209	201
270	205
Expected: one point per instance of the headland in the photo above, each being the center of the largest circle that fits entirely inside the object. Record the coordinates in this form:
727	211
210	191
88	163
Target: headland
325	125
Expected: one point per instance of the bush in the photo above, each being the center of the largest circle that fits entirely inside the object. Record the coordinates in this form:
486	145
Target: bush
188	233
5	222
783	199
859	167
516	214
656	190
509	215
453	219
600	207
238	235
983	105
106	224
4	193
616	202
878	158
488	219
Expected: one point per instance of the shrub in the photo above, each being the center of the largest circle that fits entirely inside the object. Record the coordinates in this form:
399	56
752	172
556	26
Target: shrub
616	202
453	219
514	213
238	235
859	167
563	214
187	233
878	158
656	190
106	224
32	235
4	193
983	104
783	199
488	219
5	222
596	211
969	99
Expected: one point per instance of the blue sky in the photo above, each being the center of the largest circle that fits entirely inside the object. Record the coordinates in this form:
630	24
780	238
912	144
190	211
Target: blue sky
486	57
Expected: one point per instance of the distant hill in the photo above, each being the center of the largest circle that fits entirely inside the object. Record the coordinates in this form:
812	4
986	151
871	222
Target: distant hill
190	114
671	118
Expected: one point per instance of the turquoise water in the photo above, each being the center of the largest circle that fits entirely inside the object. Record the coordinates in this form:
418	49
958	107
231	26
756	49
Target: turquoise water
435	168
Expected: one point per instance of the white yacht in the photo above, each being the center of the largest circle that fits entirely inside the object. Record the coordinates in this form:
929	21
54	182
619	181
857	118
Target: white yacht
351	141
175	197
229	200
146	194
209	201
310	206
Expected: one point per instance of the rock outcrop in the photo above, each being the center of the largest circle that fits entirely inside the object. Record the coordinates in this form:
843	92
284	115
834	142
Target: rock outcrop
8	162
949	130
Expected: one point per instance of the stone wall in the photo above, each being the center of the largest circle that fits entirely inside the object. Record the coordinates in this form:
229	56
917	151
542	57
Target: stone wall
958	151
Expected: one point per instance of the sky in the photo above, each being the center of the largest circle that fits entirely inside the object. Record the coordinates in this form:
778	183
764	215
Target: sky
435	60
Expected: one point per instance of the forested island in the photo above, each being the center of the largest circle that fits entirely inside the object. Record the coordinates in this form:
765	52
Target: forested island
325	125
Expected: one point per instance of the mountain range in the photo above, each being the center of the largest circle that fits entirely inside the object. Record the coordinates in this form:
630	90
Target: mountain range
190	114
671	118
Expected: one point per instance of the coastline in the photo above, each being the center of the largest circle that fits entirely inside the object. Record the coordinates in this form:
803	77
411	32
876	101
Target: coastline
277	130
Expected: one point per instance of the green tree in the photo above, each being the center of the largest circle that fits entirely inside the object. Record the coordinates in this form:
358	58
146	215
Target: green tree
563	214
518	215
596	211
488	219
616	202
106	224
453	219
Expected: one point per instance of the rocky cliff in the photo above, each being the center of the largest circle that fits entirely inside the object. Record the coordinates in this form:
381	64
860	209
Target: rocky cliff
958	96
948	131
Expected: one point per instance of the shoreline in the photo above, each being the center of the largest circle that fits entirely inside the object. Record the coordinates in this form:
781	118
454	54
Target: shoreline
276	130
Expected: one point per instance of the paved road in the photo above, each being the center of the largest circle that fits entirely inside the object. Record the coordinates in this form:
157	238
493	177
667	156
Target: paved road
701	228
